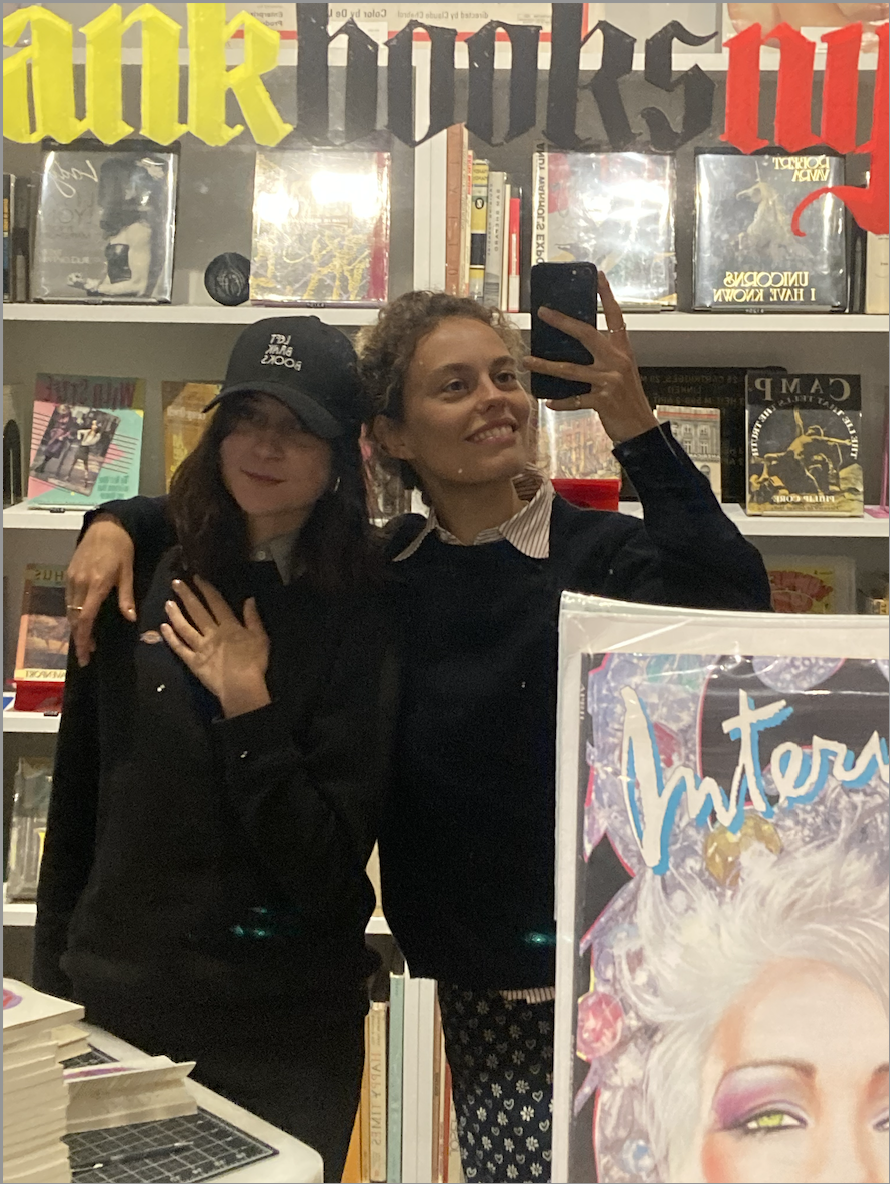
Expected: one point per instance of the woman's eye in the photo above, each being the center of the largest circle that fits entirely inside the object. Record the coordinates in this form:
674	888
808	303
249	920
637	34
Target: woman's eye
455	387
882	1126
772	1120
506	378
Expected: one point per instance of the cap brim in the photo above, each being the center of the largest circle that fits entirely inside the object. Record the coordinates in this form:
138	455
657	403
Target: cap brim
313	415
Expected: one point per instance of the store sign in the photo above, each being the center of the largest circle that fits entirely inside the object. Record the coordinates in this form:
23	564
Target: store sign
49	60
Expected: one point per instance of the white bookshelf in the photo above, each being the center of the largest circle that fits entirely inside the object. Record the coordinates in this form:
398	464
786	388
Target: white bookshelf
29	721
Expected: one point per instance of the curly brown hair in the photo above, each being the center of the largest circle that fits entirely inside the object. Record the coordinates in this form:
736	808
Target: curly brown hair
385	351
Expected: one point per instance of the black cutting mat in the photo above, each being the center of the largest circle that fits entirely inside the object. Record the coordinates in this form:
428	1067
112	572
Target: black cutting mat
216	1147
93	1057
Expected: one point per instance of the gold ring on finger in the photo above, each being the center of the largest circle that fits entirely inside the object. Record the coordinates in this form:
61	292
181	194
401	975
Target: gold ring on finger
74	608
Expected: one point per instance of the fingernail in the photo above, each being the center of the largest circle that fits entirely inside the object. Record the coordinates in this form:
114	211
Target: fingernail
168	604
177	583
131	613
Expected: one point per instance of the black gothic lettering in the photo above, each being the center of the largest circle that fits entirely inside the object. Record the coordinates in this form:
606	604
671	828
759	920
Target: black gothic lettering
400	82
523	81
313	118
698	89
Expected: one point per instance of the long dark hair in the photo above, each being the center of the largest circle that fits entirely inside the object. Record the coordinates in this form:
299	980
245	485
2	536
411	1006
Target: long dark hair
337	547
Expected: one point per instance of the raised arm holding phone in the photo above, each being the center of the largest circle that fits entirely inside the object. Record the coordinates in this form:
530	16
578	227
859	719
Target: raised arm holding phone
467	838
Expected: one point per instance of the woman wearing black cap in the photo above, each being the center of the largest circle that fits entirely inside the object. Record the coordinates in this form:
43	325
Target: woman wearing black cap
219	765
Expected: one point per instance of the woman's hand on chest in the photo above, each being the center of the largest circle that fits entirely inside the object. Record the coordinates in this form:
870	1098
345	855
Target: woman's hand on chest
230	657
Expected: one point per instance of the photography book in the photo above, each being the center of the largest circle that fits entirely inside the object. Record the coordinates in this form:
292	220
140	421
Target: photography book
803	444
105	223
30	805
746	256
86	439
721	889
697	430
614	209
703	386
42	652
812	583
184	420
321	228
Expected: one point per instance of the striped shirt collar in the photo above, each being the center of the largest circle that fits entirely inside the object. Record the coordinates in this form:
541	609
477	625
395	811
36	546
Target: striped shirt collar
528	530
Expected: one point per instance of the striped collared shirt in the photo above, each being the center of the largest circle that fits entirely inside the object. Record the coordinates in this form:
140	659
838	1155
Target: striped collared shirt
528	530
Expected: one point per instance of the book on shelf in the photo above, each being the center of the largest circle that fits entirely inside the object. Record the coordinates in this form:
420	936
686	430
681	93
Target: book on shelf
803	444
877	274
746	256
352	1168
13	455
514	244
35	1099
466	230
377	1108
364	1107
42	652
614	209
455	206
703	386
8	184
690	879
30	805
697	430
105	223
20	237
496	206
874	597
184	420
812	583
86	439
395	1069
478	228
321	228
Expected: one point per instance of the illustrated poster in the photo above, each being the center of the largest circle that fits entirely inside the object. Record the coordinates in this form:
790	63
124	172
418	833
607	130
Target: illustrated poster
722	1015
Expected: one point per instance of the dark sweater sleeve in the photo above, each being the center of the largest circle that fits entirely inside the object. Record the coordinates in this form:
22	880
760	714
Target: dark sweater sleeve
686	552
71	827
143	518
311	808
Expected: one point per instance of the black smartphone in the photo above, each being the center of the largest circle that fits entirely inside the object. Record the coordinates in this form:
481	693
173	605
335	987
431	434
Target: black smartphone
569	288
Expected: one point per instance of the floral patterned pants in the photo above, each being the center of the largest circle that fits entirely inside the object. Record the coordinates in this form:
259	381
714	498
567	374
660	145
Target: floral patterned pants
501	1057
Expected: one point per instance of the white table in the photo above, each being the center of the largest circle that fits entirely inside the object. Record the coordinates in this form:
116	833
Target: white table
295	1163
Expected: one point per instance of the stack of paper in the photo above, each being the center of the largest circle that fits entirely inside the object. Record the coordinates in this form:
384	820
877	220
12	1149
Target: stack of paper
120	1092
34	1094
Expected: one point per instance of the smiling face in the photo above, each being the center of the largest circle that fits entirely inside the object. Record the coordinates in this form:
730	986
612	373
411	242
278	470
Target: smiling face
465	416
274	469
796	1083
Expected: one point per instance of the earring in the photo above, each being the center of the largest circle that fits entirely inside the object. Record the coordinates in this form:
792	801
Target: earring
336	486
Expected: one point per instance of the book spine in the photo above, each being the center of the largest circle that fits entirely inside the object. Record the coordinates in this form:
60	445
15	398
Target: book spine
540	253
441	1101
505	251
7	220
352	1170
410	1157
425	1079
394	1100
494	239
877	275
20	240
513	250
478	228
454	191
377	1088
365	1107
465	231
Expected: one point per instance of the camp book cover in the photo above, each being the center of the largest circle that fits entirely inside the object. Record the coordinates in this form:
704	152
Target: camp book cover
184	420
614	209
746	256
726	1018
803	444
42	652
86	439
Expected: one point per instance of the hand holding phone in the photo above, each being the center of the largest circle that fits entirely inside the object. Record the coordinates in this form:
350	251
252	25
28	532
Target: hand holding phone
569	288
606	380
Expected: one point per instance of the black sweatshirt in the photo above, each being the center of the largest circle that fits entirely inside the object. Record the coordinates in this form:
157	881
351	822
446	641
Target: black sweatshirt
222	859
467	841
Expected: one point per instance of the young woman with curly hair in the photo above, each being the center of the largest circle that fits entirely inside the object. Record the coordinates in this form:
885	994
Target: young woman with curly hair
467	839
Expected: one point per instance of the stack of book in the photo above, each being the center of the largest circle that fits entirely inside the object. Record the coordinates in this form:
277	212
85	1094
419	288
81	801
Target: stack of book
482	220
117	1093
406	1127
35	1098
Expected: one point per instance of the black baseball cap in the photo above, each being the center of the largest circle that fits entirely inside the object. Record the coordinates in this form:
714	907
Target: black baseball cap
310	366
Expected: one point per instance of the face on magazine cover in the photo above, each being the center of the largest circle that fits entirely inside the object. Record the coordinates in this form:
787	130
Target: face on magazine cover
466	416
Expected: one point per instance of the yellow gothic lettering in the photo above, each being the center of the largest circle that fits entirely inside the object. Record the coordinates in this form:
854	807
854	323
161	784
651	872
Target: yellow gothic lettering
209	79
160	75
50	55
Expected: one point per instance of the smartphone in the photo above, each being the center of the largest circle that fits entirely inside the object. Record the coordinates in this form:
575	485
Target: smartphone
569	288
